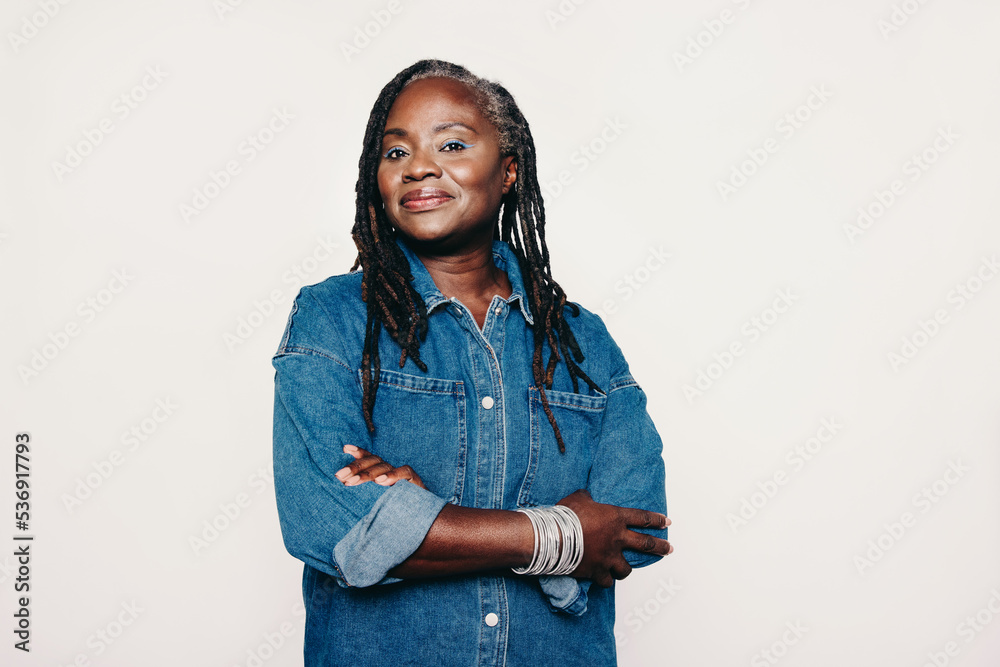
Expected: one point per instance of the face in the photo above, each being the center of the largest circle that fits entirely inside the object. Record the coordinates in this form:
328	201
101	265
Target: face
441	175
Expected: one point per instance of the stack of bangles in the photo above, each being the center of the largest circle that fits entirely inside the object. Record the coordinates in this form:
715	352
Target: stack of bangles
558	540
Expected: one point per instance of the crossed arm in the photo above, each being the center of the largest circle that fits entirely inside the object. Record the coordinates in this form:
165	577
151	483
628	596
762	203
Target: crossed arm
385	530
464	539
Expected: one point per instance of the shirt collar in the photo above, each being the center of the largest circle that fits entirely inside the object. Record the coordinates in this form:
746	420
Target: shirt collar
504	259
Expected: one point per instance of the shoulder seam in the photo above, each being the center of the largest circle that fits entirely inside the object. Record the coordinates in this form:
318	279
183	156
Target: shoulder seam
623	381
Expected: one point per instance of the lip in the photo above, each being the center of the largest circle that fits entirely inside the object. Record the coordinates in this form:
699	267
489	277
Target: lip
423	199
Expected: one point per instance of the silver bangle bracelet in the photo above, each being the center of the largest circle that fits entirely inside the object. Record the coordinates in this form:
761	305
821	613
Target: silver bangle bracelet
558	540
572	543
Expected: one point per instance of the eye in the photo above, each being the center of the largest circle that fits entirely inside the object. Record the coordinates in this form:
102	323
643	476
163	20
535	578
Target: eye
453	145
394	153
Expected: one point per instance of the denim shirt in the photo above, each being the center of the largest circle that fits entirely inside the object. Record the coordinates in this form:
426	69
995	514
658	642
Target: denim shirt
474	429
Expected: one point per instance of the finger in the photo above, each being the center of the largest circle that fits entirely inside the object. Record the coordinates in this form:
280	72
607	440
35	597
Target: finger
645	518
368	474
354	468
387	479
646	543
390	477
355	451
362	467
412	475
346	471
621	570
365	462
400	473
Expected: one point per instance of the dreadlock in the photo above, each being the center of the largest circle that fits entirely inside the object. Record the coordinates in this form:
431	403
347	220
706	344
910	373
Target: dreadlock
386	285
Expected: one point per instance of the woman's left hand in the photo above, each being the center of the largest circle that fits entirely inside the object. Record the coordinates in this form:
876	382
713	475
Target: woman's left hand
370	468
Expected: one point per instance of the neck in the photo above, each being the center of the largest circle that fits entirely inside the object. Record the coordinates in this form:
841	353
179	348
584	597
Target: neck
469	276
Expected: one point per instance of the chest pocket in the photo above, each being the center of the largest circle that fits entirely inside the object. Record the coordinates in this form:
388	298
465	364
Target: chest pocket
420	422
552	475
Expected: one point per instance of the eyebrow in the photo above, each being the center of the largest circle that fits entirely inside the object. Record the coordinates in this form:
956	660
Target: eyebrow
440	127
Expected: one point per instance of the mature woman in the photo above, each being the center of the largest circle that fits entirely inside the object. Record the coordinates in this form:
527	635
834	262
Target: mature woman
456	507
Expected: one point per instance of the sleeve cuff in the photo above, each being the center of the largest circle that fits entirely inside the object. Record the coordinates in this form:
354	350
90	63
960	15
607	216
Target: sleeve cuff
386	536
565	593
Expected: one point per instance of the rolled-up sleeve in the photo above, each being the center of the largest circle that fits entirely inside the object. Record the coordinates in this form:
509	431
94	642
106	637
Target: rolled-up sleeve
353	533
628	469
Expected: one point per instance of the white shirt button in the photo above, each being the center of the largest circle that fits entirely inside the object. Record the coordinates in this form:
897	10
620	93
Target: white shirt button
488	403
492	619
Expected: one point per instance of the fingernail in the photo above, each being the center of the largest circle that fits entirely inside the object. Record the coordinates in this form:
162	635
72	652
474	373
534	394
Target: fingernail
342	473
353	480
381	478
350	448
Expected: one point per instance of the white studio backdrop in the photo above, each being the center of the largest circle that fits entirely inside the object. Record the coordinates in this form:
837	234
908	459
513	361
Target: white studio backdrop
786	212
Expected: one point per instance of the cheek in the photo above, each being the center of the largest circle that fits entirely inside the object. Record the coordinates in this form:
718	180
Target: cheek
384	179
484	180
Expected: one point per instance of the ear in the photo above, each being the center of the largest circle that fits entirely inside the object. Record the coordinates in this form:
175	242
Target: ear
510	173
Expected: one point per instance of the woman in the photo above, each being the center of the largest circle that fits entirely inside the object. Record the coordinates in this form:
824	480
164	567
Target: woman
399	488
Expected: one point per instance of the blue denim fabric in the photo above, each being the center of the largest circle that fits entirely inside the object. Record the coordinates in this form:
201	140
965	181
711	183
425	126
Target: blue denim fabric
501	457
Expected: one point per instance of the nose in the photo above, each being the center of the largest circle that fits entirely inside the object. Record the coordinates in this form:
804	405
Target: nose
421	165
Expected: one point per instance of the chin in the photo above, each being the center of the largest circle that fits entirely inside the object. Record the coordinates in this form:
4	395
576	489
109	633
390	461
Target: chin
425	229
423	235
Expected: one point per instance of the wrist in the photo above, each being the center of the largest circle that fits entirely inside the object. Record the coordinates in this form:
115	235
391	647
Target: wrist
525	540
558	541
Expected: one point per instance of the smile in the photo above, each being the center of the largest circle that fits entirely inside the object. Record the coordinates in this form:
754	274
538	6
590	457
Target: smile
424	199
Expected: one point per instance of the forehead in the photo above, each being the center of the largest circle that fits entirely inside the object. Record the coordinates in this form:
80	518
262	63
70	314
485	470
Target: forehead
433	100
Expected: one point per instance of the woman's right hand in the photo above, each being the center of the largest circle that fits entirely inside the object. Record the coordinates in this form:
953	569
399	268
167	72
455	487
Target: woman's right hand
606	534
